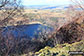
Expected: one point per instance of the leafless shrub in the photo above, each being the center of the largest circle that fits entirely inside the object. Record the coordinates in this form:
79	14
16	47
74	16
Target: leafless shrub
19	45
71	31
44	36
8	10
10	45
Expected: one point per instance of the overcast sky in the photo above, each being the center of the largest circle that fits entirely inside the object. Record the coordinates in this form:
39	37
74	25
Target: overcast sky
45	2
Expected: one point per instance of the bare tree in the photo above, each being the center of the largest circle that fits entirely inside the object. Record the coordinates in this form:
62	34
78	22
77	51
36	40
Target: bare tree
9	9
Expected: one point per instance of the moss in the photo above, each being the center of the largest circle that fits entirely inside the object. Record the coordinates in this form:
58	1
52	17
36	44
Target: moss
61	49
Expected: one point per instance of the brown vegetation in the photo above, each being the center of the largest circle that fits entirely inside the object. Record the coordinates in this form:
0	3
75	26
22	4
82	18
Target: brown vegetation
73	30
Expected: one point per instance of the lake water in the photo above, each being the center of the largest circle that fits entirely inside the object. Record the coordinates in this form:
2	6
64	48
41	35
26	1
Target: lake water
25	30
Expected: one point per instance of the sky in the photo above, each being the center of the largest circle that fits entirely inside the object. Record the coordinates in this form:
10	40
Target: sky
45	2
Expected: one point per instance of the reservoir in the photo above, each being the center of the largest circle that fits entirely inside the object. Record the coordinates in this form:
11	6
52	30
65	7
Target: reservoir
28	31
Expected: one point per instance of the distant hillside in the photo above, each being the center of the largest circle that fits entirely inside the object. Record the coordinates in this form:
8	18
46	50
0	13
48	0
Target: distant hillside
35	6
46	7
54	7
